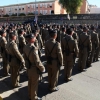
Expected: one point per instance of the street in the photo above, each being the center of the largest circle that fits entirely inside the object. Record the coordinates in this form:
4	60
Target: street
85	86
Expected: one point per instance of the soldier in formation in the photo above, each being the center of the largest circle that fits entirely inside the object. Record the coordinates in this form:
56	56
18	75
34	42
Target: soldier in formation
21	45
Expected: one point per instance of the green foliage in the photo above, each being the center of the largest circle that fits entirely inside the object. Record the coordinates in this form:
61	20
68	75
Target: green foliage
6	15
71	6
21	14
30	14
14	15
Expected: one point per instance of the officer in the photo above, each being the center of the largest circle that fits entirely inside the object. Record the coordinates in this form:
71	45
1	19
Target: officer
85	46
70	48
22	42
54	57
15	59
3	43
34	66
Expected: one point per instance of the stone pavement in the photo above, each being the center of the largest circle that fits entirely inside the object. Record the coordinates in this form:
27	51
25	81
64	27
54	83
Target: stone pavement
85	86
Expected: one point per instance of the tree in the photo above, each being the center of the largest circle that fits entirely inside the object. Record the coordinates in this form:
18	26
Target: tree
30	14
14	14
71	6
6	15
21	14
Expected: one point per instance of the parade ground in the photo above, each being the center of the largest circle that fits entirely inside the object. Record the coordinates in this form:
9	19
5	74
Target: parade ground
85	86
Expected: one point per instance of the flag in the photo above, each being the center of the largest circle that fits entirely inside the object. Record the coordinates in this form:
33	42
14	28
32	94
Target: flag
68	16
36	19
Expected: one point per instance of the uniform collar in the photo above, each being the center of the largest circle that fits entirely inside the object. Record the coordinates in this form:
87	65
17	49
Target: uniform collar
31	44
52	39
85	33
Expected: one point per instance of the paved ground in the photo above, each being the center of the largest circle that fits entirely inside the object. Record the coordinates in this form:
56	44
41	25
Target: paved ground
85	86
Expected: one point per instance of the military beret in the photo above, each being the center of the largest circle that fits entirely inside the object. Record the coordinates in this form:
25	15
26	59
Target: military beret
52	32
63	28
29	36
37	28
92	27
12	34
85	28
69	30
2	32
34	31
20	31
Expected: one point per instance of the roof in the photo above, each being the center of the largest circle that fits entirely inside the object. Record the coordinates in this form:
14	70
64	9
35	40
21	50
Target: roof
46	1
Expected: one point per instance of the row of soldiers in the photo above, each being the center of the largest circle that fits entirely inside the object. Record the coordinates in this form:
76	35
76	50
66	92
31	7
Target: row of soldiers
21	46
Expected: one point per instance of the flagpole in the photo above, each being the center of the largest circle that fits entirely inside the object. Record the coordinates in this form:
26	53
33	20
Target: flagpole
35	13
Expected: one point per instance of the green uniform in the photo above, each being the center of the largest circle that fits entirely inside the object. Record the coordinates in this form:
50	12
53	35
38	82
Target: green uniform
85	45
57	60
15	61
34	65
70	51
3	44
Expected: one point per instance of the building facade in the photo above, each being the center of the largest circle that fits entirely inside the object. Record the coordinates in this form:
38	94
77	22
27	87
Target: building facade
85	8
43	8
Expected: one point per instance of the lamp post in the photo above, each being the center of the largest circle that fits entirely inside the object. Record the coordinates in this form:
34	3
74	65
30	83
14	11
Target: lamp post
35	13
17	9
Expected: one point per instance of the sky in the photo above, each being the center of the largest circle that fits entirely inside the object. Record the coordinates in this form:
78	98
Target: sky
8	2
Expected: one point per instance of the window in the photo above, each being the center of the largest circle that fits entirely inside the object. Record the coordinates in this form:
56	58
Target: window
22	8
40	11
50	6
36	5
49	11
40	5
45	5
16	9
52	11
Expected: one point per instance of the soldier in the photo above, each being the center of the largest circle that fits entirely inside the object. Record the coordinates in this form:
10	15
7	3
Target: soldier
58	34
22	42
15	59
36	43
3	43
63	34
85	46
75	36
54	57
39	38
98	49
70	48
34	66
95	44
15	31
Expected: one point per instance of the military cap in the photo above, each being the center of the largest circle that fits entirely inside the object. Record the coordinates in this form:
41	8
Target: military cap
29	36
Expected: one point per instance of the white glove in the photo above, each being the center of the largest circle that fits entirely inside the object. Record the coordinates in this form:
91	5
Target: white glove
43	70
